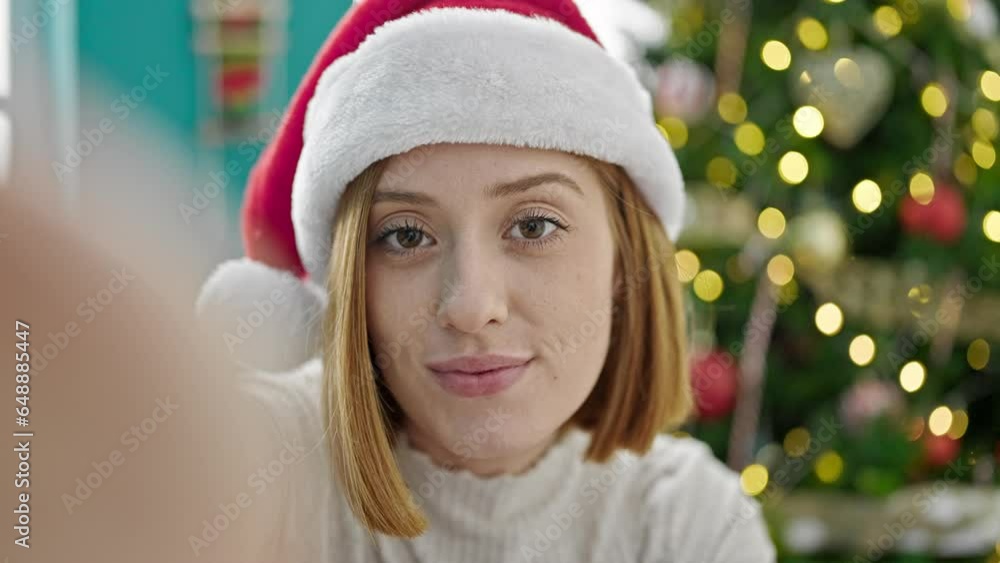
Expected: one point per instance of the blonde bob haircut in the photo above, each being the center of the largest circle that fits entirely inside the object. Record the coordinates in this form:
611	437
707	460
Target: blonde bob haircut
642	390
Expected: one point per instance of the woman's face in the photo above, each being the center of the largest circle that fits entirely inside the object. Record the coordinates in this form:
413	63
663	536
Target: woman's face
479	250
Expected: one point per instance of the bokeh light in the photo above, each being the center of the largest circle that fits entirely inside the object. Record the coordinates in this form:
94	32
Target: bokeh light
776	55
812	34
753	479
732	108
688	265
829	319
912	376
771	223
978	354
940	420
922	188
808	122
829	467
888	21
934	100
793	167
749	138
708	285
862	350
866	196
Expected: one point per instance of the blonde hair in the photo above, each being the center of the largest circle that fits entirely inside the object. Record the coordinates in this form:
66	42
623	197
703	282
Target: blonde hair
643	388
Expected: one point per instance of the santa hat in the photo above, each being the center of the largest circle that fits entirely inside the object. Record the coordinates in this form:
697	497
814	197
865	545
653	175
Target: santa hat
398	74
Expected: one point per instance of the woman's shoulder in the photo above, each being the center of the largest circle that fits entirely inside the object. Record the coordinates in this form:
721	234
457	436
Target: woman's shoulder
694	507
291	399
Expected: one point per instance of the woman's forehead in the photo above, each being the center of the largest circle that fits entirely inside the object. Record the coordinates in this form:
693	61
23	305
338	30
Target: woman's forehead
496	170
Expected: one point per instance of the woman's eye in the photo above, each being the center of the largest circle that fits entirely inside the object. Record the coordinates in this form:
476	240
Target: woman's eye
404	239
534	228
408	238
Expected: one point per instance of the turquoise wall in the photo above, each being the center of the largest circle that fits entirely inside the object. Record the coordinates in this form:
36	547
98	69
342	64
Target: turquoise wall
117	40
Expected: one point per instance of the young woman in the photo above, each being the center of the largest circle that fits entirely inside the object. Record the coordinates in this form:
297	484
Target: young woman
475	197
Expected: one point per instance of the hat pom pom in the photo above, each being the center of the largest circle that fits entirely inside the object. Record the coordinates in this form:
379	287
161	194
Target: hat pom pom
266	318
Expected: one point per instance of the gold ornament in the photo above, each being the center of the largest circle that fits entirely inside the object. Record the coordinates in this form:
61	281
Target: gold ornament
851	88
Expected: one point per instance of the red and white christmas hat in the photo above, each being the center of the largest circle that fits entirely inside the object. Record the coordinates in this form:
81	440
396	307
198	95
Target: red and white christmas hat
398	74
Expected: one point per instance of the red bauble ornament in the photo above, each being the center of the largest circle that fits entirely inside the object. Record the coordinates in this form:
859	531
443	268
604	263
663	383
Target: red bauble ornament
943	218
948	219
715	382
940	450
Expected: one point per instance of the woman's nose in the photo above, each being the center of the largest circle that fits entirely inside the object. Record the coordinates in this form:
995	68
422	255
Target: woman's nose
474	292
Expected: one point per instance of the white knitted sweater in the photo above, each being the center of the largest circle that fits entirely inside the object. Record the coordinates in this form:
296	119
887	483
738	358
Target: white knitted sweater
676	503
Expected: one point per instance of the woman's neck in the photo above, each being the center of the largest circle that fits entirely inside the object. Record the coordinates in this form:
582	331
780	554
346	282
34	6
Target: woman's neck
514	463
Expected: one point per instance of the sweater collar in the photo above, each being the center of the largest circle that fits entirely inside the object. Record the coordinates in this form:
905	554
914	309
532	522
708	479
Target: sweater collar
460	499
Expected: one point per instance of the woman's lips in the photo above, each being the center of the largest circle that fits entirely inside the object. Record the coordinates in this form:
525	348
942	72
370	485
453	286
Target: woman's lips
482	383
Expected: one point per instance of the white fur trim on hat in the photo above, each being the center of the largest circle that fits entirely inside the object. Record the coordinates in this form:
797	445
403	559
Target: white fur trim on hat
462	75
267	318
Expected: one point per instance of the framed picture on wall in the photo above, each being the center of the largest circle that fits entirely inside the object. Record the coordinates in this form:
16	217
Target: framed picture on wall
236	43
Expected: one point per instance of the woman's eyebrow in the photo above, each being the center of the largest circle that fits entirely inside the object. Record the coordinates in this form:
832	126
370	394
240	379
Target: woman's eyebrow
503	189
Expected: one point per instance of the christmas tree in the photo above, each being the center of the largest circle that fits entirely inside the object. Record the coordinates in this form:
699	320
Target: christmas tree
843	263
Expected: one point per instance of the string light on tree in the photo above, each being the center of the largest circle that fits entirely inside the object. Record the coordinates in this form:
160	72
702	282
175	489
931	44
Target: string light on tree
688	265
920	294
829	467
776	55
796	442
989	83
940	420
978	354
675	130
959	424
708	285
965	169
922	188
984	154
753	479
887	21
959	9
771	223
829	319
793	167
749	138
808	122
732	108
812	34
780	269
862	350
984	124
721	172
991	225
866	196
934	100
912	376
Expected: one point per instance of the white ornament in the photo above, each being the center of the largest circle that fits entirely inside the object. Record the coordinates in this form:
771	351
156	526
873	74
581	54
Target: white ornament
982	20
806	535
